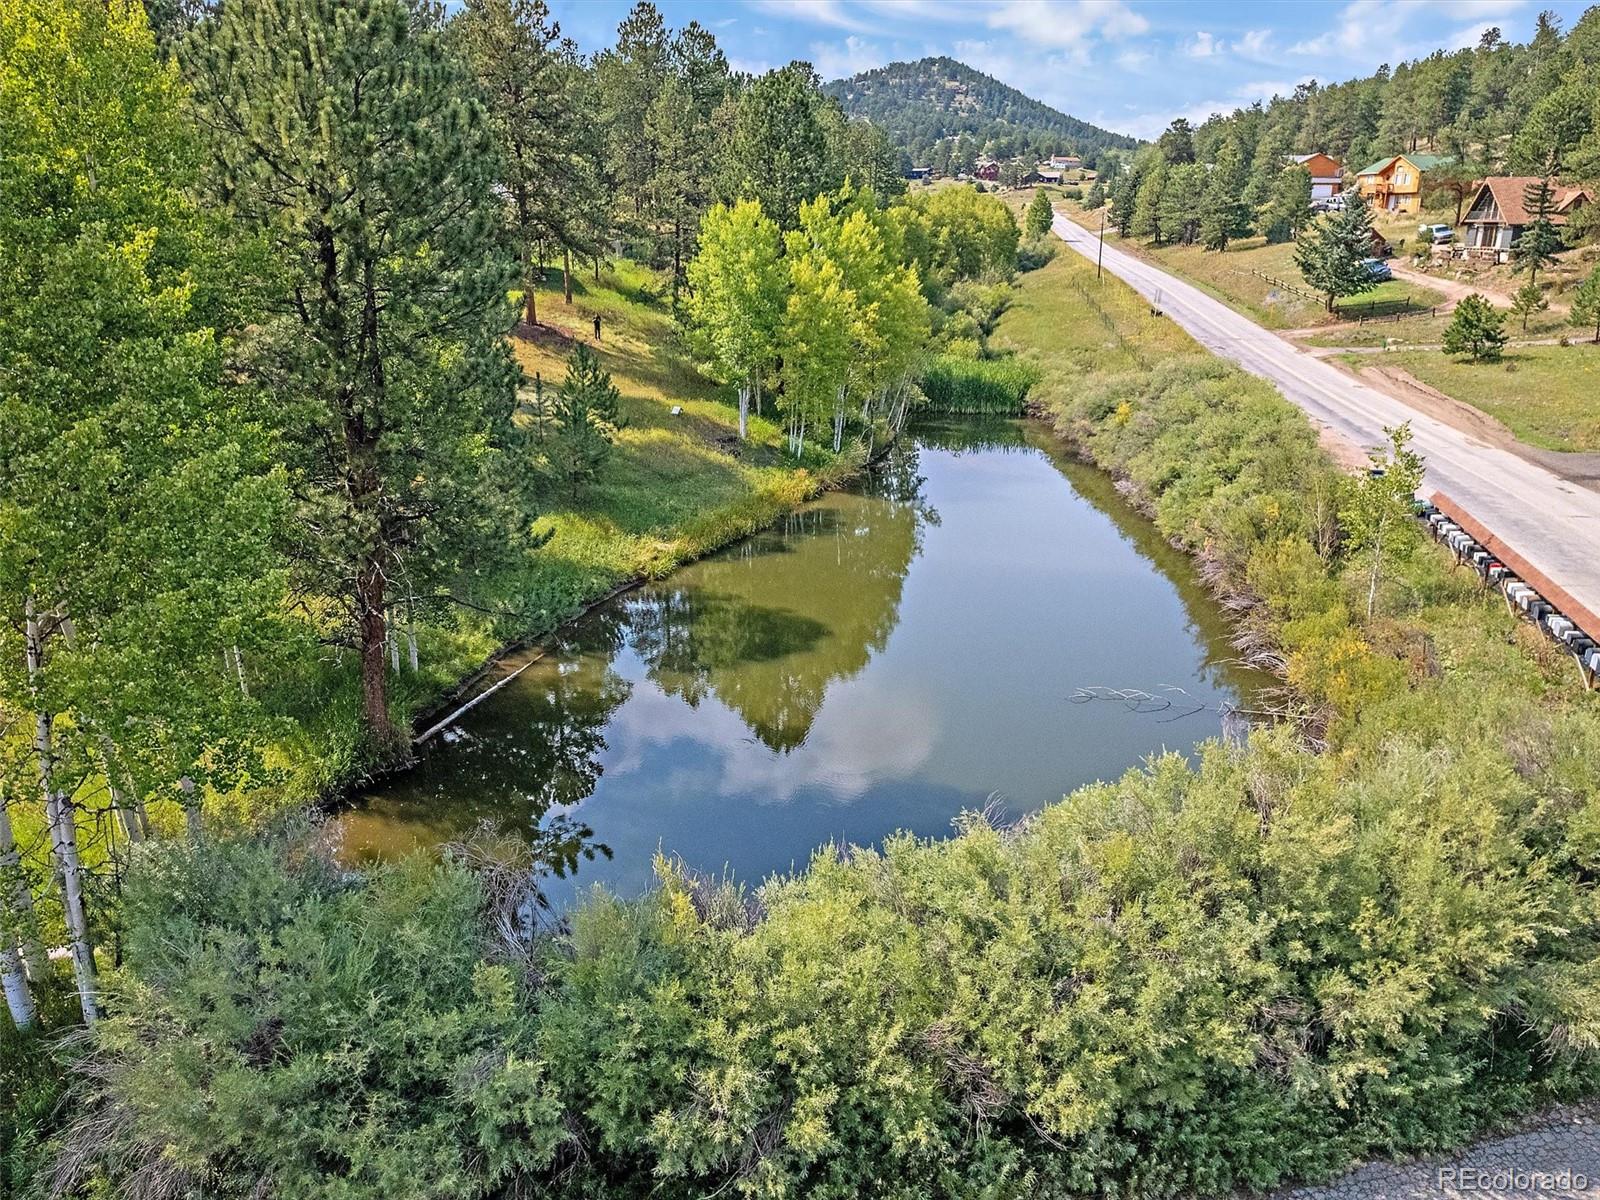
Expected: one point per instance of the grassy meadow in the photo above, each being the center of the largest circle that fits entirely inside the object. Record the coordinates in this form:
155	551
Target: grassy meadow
1549	396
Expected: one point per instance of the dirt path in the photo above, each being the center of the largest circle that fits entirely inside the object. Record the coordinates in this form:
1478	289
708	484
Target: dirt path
1583	469
1452	290
1557	1157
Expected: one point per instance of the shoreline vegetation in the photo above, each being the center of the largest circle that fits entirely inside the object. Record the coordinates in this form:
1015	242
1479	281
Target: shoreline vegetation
1258	969
678	487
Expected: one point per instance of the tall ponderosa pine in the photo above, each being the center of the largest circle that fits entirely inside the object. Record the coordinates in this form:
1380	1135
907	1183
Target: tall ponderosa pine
628	77
531	85
1223	213
1288	208
779	147
680	126
136	506
349	137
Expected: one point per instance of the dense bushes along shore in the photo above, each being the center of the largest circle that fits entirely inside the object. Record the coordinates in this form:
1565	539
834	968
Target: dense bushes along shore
1201	977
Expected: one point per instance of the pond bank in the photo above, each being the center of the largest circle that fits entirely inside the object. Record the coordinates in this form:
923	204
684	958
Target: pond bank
982	621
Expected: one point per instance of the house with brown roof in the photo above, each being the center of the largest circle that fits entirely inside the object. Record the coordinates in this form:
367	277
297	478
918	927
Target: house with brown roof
1499	212
1327	176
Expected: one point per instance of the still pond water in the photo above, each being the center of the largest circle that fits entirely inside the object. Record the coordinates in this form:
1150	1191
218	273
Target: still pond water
881	660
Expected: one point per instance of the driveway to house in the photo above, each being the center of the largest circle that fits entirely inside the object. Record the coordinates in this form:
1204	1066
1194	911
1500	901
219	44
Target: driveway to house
1552	524
1452	290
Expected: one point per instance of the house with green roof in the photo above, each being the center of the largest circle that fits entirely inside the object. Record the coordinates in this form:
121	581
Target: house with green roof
1394	184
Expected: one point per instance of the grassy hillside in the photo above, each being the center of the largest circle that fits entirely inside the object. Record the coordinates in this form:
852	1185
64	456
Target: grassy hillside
675	488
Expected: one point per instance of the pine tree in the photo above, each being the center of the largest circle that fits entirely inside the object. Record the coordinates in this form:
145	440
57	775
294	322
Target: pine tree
1476	330
1288	209
529	79
587	417
1182	195
1225	215
1536	246
778	148
376	189
1040	214
1332	256
1095	198
1145	220
1586	303
1527	300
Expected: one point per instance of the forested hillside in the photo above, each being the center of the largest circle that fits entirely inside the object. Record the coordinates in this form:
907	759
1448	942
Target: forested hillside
1496	108
942	112
1499	102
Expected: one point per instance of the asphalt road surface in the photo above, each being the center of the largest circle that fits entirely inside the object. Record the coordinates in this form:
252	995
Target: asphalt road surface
1548	521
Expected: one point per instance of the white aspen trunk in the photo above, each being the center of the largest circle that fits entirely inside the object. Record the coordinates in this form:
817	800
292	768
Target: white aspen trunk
16	901
758	379
744	411
838	421
411	636
191	809
238	667
63	831
394	649
14	982
800	438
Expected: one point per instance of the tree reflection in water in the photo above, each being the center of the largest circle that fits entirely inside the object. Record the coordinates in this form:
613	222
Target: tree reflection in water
770	625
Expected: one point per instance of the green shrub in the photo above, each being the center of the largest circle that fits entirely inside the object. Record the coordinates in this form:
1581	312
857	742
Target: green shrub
964	385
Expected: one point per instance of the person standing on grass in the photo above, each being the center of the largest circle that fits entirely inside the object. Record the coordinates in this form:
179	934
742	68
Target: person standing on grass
597	327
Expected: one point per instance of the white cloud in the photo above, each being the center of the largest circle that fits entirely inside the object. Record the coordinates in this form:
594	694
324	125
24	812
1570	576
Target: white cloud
1203	45
817	12
1368	31
1362	26
1150	124
1256	43
835	60
1068	24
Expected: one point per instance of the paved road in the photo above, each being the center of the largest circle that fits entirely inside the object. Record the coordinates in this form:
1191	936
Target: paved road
1555	1158
1553	524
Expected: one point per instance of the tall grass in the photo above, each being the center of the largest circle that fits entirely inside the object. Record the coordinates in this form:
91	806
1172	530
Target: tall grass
996	386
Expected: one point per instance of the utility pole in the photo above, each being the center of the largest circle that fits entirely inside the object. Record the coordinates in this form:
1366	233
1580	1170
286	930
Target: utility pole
1101	253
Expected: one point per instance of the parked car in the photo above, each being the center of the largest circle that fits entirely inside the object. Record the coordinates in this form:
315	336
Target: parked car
1438	235
1377	270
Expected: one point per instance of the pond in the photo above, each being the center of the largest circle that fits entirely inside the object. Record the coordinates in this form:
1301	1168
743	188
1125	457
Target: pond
881	660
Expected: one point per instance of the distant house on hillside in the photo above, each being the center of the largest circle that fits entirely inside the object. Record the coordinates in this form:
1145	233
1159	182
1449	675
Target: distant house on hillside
1065	162
1048	174
918	172
987	170
1499	211
1327	175
1395	183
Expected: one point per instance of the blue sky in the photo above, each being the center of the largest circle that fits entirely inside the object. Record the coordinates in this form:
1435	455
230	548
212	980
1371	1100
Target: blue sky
1130	65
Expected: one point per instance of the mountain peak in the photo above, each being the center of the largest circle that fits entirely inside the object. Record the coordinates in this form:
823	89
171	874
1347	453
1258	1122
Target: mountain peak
934	101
